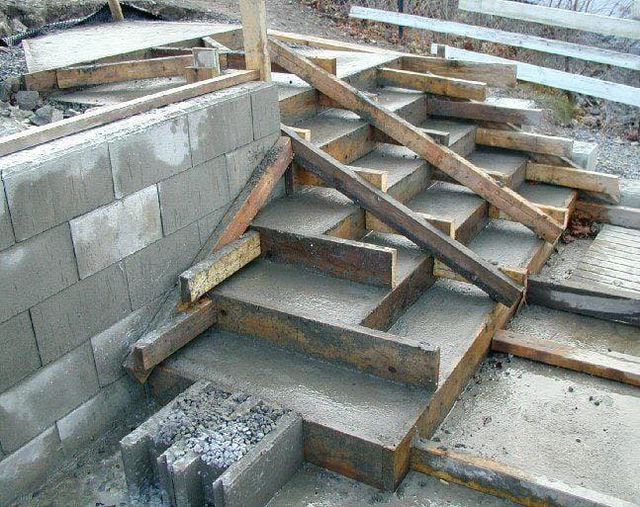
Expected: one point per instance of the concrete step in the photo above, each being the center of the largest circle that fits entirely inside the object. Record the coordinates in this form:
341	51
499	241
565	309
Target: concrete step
506	166
357	425
462	134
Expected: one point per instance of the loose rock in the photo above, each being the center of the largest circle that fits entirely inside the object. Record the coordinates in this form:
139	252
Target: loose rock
27	99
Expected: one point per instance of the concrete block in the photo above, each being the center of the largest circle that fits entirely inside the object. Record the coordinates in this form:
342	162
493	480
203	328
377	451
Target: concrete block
111	233
52	392
110	347
25	469
242	162
265	110
7	237
35	269
220	128
207	224
192	194
145	157
74	315
19	356
154	270
58	187
95	417
585	154
254	479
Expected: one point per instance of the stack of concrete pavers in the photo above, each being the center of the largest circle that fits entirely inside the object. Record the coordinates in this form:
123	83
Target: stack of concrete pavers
211	447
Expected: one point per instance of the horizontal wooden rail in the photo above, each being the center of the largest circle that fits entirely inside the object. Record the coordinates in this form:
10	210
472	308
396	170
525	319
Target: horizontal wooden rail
430	83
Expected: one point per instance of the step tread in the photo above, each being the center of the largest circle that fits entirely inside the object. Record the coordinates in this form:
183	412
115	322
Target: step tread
397	161
507	163
410	256
447	201
507	244
457	129
549	195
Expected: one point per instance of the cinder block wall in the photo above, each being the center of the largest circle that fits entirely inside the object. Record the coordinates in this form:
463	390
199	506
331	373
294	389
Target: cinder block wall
94	230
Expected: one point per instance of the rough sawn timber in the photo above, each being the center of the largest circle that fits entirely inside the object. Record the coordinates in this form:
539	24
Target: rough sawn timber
431	83
591	181
396	215
413	138
482	111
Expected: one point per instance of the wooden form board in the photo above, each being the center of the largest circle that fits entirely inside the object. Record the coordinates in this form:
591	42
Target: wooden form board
108	114
483	111
501	75
532	42
553	78
406	221
605	25
606	184
413	138
591	299
116	10
619	367
624	216
430	83
501	480
525	141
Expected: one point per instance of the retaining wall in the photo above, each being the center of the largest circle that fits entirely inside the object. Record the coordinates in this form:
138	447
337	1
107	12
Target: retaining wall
94	230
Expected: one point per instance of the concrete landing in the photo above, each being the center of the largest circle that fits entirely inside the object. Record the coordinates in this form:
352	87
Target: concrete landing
553	422
507	166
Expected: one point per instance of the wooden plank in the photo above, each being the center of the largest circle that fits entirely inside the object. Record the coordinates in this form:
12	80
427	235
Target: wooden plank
254	31
251	199
116	10
220	265
484	112
155	346
372	223
501	480
440	136
559	215
411	137
377	178
605	25
104	115
624	216
89	75
607	184
341	258
519	40
518	275
494	74
236	60
374	352
525	141
210	42
430	83
568	356
594	300
410	224
553	78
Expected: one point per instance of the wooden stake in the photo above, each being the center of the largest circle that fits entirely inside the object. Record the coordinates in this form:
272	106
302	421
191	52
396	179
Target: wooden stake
116	10
254	30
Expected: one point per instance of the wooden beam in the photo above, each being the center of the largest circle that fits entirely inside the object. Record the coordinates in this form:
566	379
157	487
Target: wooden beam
559	215
623	216
594	300
220	265
525	141
406	221
518	275
116	10
504	481
566	18
484	112
89	75
440	136
519	40
341	258
606	184
374	352
254	31
493	74
444	159
108	114
372	223
430	83
569	356
236	60
377	178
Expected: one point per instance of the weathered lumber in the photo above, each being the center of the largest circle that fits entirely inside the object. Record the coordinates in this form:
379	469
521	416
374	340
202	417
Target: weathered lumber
158	344
624	216
519	40
431	83
594	300
375	352
525	141
440	136
372	223
569	356
502	480
482	111
116	10
411	137
341	258
254	31
251	199
407	222
585	21
494	74
108	114
88	75
560	215
606	184
236	60
220	265
518	275
374	176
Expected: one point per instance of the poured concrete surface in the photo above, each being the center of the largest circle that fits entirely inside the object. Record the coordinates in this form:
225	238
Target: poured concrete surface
448	201
509	164
563	327
548	195
316	487
295	289
506	243
356	404
552	422
410	257
397	161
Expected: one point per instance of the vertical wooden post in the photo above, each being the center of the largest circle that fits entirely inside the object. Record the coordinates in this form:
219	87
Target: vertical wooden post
400	27
116	10
254	31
